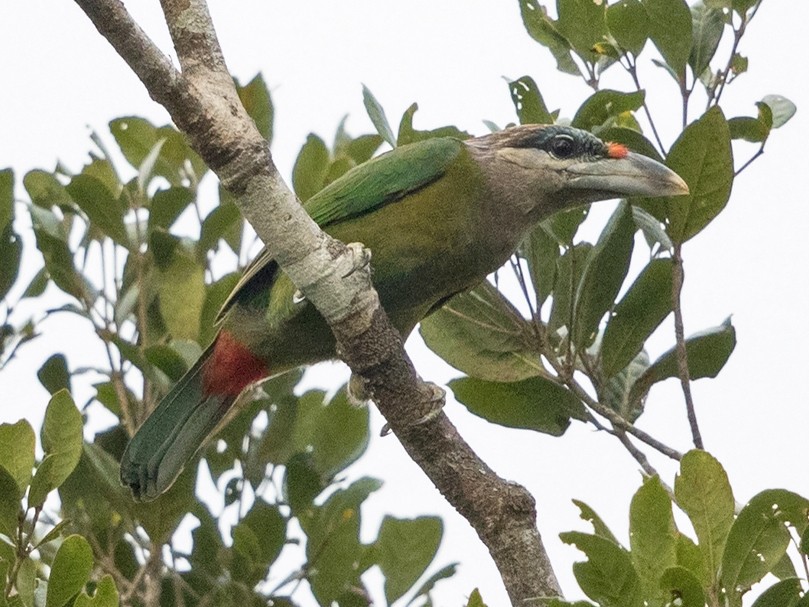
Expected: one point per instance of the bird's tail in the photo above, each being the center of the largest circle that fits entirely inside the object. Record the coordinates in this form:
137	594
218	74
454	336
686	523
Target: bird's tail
173	433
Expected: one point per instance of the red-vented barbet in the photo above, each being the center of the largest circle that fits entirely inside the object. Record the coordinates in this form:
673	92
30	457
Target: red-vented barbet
438	217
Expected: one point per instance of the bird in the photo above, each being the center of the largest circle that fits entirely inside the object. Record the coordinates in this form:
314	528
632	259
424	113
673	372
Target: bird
438	217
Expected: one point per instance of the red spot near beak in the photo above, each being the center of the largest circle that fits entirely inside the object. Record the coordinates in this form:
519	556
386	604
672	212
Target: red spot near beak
617	150
231	367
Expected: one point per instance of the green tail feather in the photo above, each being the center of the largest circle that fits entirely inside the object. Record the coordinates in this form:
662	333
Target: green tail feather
171	435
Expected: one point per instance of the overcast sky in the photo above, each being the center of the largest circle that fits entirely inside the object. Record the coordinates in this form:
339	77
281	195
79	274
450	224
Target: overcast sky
61	80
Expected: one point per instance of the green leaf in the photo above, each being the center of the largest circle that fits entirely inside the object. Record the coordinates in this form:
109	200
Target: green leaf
137	137
407	134
707	351
181	293
333	540
167	205
628	23
601	106
56	254
302	484
45	190
568	276
62	440
759	538
215	295
608	576
483	335
586	513
255	97
617	392
707	27
10	508
782	109
742	6
17	443
535	403
475	600
702	156
652	536
564	225
670	30
103	170
257	541
784	568
54	374
377	116
703	492
38	284
583	24
604	274
690	558
543	29
6	199
785	593
748	128
216	226
70	571
641	310
105	595
102	208
167	359
334	433
541	251
311	167
528	102
97	475
146	168
54	532
404	549
26	584
427	587
62	427
680	587
11	254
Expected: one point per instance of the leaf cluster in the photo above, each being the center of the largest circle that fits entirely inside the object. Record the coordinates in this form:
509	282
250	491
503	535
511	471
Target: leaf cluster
664	566
139	259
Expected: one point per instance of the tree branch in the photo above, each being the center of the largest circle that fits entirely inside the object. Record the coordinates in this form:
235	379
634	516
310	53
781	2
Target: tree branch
203	103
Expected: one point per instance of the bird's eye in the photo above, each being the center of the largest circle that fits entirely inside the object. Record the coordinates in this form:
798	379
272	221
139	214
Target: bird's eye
563	146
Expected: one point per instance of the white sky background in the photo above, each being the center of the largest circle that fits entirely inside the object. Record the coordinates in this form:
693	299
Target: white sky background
61	79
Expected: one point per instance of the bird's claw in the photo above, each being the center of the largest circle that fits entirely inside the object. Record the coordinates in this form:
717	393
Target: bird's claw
436	399
360	257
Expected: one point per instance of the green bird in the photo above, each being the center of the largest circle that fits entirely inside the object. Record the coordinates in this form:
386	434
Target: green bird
438	217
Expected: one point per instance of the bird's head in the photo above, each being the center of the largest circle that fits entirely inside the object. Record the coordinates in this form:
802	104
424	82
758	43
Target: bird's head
548	168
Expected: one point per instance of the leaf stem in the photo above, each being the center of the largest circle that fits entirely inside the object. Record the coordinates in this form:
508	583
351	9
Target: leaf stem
631	67
682	353
750	161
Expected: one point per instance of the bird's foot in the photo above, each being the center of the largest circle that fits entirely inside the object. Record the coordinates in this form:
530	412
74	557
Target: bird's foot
357	394
436	399
360	257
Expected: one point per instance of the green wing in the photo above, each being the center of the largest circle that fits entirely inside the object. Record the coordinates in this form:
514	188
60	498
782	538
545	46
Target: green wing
379	181
382	180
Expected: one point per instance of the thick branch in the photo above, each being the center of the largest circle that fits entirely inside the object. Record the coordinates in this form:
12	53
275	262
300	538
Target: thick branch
203	103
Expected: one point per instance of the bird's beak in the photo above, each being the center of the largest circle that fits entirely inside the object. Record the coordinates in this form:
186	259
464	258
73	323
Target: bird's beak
632	175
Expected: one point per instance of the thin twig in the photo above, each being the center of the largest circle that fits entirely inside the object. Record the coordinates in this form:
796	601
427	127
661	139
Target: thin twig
631	67
750	161
682	352
639	455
